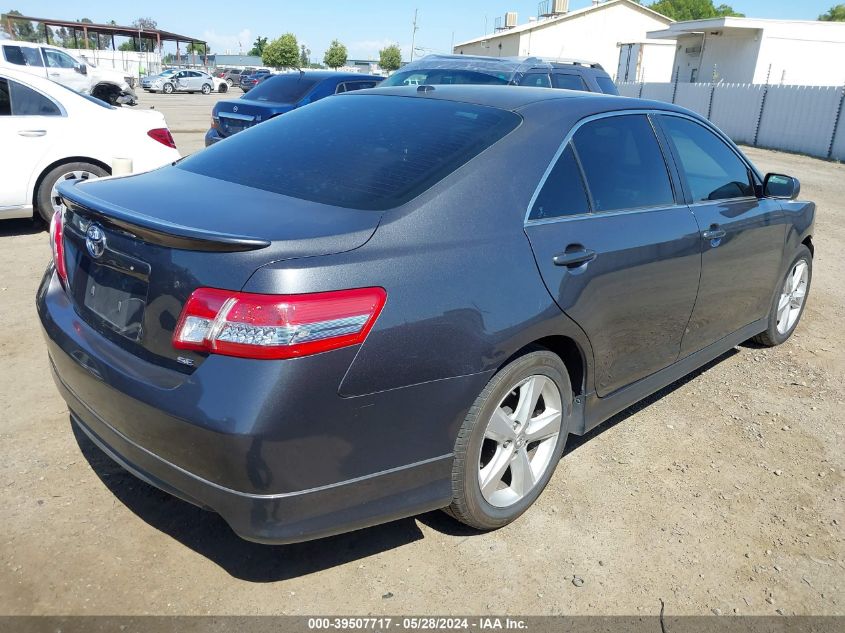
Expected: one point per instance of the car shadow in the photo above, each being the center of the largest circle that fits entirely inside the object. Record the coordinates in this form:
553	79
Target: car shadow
210	536
21	226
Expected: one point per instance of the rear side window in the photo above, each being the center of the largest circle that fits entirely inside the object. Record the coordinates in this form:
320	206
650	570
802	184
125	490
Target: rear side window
623	163
607	86
713	171
536	80
569	82
349	86
5	100
288	88
563	192
22	56
28	102
443	76
357	151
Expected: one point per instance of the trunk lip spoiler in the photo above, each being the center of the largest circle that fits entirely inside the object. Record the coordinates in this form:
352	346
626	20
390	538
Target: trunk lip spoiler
153	230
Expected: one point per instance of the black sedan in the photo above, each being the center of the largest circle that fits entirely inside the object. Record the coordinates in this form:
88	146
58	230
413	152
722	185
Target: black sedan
279	94
417	306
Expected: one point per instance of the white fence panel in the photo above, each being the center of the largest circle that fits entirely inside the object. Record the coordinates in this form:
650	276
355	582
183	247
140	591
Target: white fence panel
629	89
799	118
658	91
695	97
735	110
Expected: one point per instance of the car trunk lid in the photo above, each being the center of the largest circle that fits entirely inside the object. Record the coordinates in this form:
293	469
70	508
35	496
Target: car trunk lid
235	116
137	247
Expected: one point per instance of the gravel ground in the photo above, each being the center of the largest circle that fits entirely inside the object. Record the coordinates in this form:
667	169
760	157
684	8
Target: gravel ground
721	494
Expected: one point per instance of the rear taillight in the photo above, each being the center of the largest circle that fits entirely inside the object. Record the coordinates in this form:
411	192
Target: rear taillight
276	326
215	122
163	136
58	245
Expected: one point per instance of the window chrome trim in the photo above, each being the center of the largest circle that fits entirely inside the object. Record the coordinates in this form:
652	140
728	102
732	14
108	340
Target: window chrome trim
615	113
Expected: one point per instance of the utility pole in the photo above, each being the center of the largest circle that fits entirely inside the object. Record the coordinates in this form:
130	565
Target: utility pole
414	34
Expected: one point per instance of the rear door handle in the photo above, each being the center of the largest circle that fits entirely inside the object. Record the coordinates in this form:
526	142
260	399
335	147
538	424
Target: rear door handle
574	258
32	133
714	233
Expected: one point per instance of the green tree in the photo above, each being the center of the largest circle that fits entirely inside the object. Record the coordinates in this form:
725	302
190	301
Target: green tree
304	55
258	46
390	57
198	47
282	52
20	29
682	10
834	14
336	55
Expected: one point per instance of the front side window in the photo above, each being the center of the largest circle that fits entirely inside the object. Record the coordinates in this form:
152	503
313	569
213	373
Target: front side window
356	151
623	163
563	192
27	102
58	59
536	80
568	82
712	169
22	55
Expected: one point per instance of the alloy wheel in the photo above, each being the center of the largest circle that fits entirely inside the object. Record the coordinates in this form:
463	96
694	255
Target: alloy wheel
792	296
519	441
55	198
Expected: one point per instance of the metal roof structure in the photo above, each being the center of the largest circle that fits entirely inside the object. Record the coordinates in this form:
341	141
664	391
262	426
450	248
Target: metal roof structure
108	30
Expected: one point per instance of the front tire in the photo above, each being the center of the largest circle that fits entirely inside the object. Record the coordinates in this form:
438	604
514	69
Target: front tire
511	441
788	303
47	201
224	87
167	89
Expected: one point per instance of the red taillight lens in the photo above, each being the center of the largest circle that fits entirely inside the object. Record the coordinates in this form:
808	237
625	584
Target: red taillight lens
163	136
276	326
215	122
58	245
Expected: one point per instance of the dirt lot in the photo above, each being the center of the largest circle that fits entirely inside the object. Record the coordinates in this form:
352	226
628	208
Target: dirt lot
723	493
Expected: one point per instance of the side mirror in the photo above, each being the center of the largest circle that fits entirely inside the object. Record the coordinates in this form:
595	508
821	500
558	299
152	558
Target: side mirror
82	69
780	186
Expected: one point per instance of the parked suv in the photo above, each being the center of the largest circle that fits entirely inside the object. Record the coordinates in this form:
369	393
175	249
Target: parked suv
568	74
232	76
250	80
60	66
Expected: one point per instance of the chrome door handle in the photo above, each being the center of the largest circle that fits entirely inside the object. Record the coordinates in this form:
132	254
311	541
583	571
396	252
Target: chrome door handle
574	258
32	133
714	234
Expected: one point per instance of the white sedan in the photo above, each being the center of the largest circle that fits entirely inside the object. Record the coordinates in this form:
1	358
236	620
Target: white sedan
50	134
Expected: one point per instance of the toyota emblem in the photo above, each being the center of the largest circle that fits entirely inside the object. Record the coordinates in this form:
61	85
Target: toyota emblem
95	241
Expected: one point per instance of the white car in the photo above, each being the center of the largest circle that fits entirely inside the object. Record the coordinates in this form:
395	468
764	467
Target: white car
59	65
187	81
52	134
219	84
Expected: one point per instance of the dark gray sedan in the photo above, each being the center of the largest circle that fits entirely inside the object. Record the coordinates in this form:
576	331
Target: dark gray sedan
416	307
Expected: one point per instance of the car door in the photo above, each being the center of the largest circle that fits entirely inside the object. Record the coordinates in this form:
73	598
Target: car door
62	68
27	119
742	235
617	247
179	80
196	80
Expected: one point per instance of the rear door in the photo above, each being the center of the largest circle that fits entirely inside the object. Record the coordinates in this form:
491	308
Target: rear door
617	247
569	81
742	236
29	123
24	58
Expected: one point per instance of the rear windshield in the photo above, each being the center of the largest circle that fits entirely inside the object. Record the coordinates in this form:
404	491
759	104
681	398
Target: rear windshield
356	151
443	76
282	88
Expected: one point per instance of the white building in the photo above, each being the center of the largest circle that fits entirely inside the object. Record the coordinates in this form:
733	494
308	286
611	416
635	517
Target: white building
747	50
593	33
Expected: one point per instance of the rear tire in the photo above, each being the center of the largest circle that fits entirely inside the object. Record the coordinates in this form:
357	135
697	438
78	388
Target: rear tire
510	441
230	82
789	300
206	89
44	202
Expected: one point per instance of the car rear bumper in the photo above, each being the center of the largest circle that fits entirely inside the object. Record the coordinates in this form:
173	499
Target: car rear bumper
212	137
278	470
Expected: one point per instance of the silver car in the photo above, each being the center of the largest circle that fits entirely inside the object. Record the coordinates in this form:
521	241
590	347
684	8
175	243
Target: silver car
184	81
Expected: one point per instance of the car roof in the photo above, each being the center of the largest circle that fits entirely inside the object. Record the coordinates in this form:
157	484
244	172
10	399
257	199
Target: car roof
517	97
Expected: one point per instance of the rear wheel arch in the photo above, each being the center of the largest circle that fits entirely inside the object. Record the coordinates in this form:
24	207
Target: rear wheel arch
570	353
33	194
808	242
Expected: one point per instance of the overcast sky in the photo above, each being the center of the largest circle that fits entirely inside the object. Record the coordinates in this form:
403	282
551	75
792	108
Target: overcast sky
364	26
